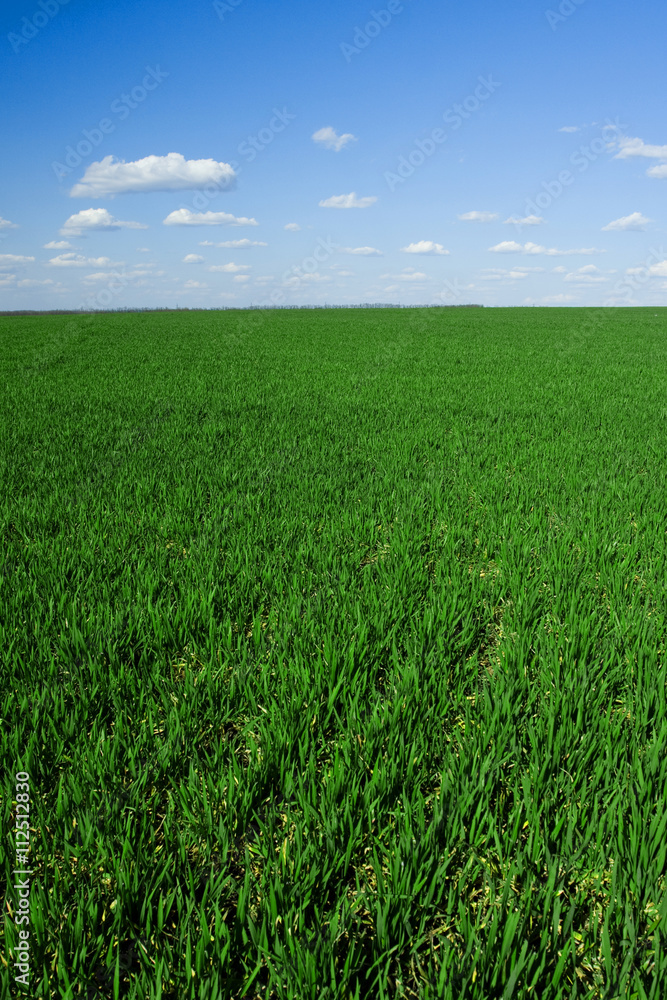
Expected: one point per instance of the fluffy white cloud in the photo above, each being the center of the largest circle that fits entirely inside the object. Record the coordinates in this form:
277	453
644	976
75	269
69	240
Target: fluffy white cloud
569	128
426	247
12	259
408	274
347	201
234	244
501	273
511	246
478	217
361	251
6	224
192	258
184	217
241	277
33	282
528	220
229	268
95	219
659	172
636	221
658	270
292	227
588	275
58	245
314	278
328	138
637	147
76	260
172	172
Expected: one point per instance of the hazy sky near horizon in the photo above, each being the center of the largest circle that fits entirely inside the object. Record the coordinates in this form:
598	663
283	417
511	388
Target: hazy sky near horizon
244	152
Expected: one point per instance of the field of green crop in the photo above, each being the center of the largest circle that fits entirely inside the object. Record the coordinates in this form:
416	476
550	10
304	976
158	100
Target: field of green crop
333	649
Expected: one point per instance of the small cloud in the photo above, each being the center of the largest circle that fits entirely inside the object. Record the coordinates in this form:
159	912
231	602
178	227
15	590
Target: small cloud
561	269
193	258
478	217
234	244
6	224
658	270
172	172
33	282
328	138
11	259
143	250
529	220
558	299
229	268
408	274
636	222
292	227
58	245
195	284
76	260
426	247
95	219
659	172
345	274
347	201
637	147
511	246
569	128
361	251
241	277
184	217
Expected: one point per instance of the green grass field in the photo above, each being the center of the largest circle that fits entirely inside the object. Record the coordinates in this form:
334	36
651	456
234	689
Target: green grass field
334	649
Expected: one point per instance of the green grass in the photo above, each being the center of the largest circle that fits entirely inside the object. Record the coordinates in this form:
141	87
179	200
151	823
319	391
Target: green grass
333	644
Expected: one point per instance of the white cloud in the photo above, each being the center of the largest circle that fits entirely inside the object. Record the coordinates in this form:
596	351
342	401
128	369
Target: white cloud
659	172
586	276
328	138
500	273
95	219
33	282
76	260
313	278
561	269
637	147
234	244
426	247
192	258
347	201
636	221
569	128
345	274
558	299
58	245
11	259
478	217
529	220
6	279
658	270
408	274
229	268
511	246
172	172
361	251
99	276
143	250
241	277
184	217
6	224
292	227
195	284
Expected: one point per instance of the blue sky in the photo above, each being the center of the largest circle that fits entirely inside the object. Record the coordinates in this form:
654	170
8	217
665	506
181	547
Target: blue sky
254	152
